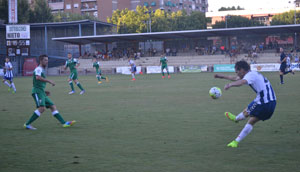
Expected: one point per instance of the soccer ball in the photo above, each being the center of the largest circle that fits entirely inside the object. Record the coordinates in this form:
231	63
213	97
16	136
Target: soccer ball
215	92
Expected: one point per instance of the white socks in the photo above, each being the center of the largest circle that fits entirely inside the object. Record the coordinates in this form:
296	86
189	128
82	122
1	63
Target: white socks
132	75
240	117
13	86
246	130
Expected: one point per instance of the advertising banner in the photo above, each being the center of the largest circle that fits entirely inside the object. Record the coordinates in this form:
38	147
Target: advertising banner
295	66
268	67
126	70
224	68
17	32
29	65
157	69
193	68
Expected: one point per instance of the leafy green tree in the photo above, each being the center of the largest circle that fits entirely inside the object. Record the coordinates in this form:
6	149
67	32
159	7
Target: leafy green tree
41	12
4	10
230	8
136	21
286	18
236	21
24	11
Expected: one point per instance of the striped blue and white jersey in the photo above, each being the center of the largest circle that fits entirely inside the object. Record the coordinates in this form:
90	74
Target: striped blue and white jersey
288	61
9	70
261	86
131	63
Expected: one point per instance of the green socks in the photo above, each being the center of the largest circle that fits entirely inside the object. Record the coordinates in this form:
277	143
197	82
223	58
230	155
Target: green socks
58	117
71	84
34	116
78	84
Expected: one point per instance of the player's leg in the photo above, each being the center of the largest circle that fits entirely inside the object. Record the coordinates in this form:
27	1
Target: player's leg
39	100
241	116
133	70
79	85
13	85
288	70
104	77
6	83
281	73
133	76
168	72
57	115
245	131
71	83
256	112
99	78
162	72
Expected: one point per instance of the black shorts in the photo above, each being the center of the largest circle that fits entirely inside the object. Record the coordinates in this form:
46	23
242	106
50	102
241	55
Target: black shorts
282	68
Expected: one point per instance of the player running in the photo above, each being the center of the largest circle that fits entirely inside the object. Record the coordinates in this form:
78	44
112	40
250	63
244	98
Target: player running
133	68
261	108
283	66
163	62
40	96
96	65
73	64
8	76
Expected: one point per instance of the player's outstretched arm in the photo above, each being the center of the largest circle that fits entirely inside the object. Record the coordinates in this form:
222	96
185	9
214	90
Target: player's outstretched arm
44	80
235	84
231	78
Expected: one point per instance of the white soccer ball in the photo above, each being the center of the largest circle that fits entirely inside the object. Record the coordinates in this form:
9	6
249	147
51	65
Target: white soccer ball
215	92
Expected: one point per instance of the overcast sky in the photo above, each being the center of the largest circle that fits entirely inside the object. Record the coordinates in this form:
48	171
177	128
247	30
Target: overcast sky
214	5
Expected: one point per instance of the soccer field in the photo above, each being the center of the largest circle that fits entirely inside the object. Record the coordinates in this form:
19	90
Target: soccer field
150	125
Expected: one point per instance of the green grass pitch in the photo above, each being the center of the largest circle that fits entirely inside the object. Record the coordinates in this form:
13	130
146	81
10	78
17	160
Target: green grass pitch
150	125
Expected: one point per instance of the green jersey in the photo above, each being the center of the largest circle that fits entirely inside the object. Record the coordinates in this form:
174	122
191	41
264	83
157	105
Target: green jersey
163	61
38	86
72	65
97	66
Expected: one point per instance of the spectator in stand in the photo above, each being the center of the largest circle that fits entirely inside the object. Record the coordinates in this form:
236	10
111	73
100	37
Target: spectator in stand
135	55
222	48
168	50
261	47
138	54
214	49
197	50
174	51
154	51
253	47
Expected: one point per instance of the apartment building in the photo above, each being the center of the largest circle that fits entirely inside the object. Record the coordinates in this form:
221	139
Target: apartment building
104	8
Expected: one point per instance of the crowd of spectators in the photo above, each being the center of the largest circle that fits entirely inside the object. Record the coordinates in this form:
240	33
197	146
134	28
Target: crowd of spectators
250	51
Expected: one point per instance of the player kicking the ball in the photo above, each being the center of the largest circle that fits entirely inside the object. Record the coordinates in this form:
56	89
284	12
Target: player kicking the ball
99	76
40	96
261	108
